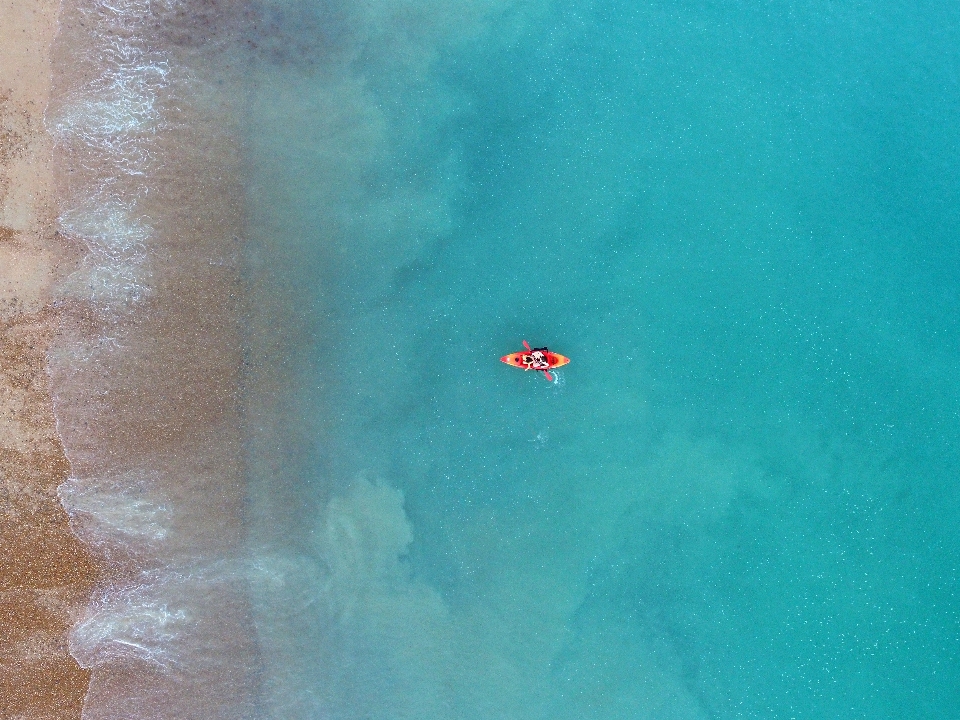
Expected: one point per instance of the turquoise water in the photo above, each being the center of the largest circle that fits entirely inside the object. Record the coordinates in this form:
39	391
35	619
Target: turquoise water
740	221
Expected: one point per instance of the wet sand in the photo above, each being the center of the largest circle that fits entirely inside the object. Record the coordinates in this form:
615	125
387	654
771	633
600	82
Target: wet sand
45	572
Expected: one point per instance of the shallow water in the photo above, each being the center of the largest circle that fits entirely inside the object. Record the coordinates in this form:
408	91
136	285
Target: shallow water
738	499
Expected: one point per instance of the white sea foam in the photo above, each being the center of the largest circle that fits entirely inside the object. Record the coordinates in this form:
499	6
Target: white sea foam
141	623
112	116
122	101
114	271
117	510
108	125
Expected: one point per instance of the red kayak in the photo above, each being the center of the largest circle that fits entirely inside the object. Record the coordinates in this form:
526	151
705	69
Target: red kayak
539	359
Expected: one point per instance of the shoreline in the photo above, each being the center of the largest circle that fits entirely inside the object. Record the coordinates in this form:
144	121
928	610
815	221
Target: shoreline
122	485
46	575
146	369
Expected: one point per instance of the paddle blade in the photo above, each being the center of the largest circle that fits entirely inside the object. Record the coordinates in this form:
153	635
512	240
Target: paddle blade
548	376
526	345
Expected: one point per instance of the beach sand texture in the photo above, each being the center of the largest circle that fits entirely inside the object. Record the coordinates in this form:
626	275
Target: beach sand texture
45	573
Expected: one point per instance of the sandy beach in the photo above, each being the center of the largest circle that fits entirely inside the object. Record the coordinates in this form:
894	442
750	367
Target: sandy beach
45	573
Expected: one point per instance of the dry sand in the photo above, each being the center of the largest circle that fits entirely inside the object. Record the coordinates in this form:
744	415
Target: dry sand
45	573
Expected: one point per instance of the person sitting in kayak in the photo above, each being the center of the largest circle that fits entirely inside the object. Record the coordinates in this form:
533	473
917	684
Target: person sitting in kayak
537	359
